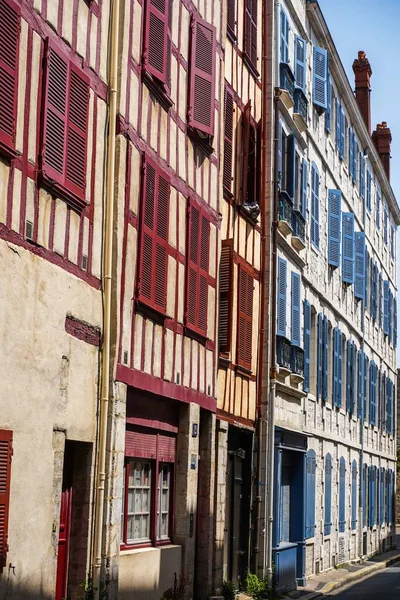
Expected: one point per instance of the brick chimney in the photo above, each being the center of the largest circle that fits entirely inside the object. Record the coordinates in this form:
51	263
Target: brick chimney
382	138
362	71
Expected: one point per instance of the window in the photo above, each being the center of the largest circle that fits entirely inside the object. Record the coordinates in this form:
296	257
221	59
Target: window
368	200
281	308
320	78
334	211
151	288
228	141
314	205
202	77
249	196
372	392
9	54
328	495
225	295
362	174
250	32
322	356
364	496
371	495
360	394
6	438
65	128
310	493
342	495
350	376
340	129
245	318
300	59
348	247
197	270
147	487
337	368
386	307
284	47
231	19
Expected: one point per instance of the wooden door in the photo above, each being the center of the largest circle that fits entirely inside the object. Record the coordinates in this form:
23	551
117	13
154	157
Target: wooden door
63	543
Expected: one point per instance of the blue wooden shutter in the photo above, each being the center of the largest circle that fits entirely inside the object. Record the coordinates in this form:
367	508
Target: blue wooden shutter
334	211
380	301
328	113
300	55
388	518
385	226
364	489
373	497
325	345
353	377
389	386
328	495
368	201
280	140
372	393
377	209
378	397
337	125
362	175
295	316
366	277
365	389
284	37
310	493
303	195
319	356
320	76
348	248
395	322
342	134
360	383
390	314
386	307
335	367
354	495
351	150
307	345
281	312
348	373
354	166
342	495
314	205
340	369
291	165
392	241
382	496
359	284
370	496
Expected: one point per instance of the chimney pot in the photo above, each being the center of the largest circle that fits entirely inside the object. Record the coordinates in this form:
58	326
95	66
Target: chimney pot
362	71
382	138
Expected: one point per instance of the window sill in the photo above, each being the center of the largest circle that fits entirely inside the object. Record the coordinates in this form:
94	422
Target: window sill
195	334
149	311
250	66
243	371
7	152
158	90
224	360
231	35
73	201
130	550
204	144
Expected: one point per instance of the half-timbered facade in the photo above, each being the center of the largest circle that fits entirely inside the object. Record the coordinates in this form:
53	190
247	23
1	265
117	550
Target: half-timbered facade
336	309
53	57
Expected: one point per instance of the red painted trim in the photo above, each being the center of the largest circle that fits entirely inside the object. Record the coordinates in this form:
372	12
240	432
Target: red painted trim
83	331
10	191
233	419
13	237
152	423
239	260
148	383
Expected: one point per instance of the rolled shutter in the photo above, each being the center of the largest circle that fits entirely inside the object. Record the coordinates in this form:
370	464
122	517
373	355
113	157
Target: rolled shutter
319	356
291	165
342	495
334	211
155	38
300	56
197	271
202	77
320	76
303	196
354	495
359	284
10	28
6	438
310	493
225	296
281	312
245	319
348	248
250	31
328	495
295	316
325	346
307	345
228	141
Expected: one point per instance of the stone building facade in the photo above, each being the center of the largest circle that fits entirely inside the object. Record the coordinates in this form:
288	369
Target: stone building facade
335	447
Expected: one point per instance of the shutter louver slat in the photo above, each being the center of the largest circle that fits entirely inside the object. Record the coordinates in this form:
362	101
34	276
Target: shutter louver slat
202	77
5	476
10	26
334	200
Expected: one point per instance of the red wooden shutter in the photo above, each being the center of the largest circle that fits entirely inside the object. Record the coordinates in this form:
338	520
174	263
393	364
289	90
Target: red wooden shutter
75	177
225	296
154	220
228	141
231	19
246	127
250	31
5	475
156	38
10	26
202	77
245	318
197	271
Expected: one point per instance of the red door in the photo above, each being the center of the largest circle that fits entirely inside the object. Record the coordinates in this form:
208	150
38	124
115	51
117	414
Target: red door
63	543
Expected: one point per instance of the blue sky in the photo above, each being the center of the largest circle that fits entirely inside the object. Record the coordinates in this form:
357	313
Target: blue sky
372	26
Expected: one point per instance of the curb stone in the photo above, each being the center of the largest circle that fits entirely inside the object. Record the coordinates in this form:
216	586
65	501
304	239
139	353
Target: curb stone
334	585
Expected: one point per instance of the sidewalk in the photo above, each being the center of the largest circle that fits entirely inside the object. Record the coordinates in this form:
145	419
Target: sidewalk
318	585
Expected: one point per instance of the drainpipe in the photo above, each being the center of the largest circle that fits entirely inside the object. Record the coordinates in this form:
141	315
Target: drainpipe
273	367
107	279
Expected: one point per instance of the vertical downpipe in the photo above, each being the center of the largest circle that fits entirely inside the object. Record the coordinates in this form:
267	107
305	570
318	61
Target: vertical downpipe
107	279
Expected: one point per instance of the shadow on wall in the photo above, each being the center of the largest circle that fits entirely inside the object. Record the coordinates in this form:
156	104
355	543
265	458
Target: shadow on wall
11	591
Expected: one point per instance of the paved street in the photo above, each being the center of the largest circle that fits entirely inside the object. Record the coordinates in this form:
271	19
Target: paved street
385	584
